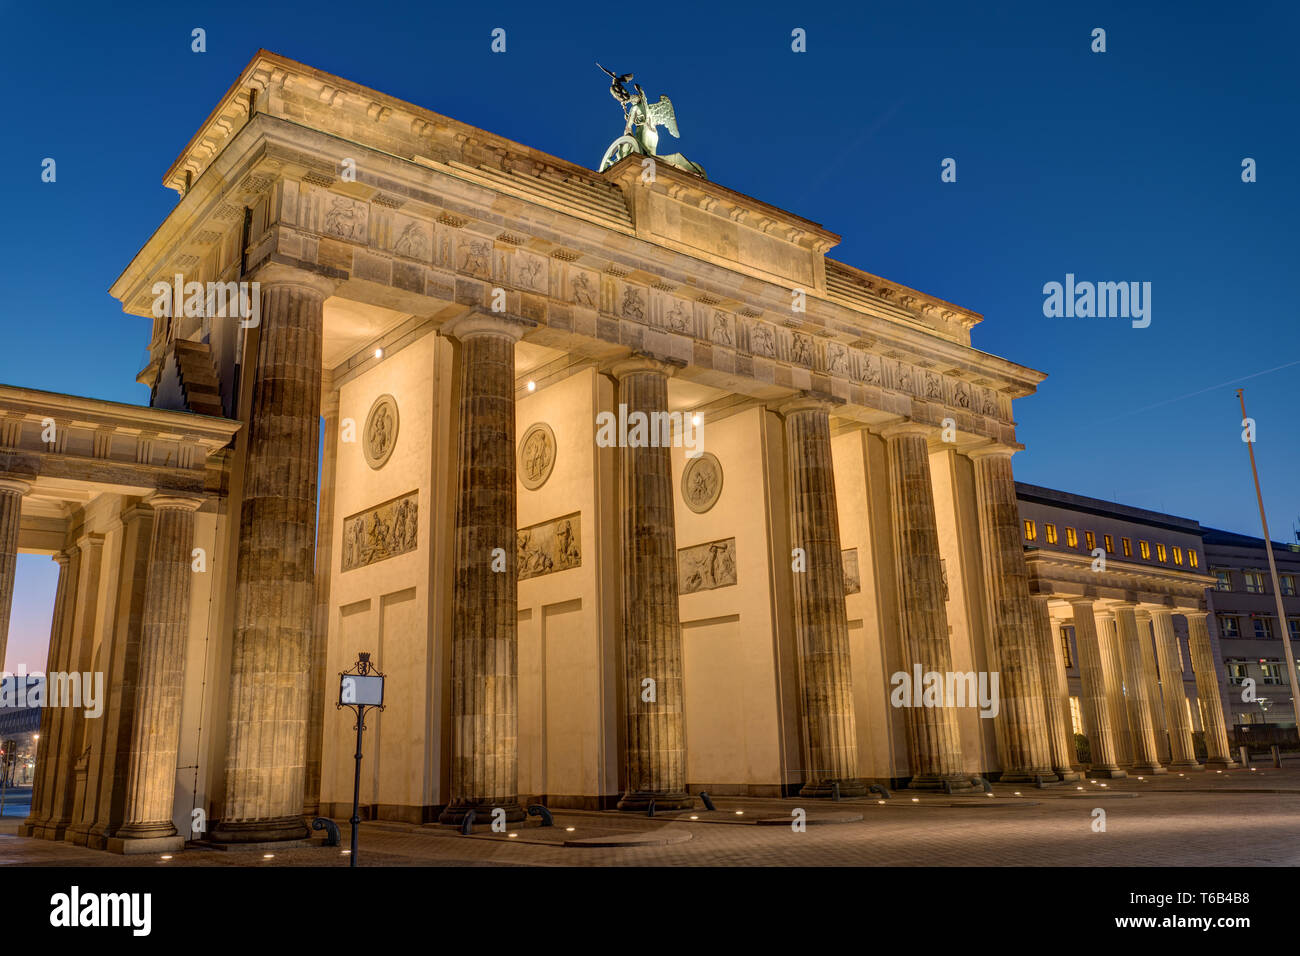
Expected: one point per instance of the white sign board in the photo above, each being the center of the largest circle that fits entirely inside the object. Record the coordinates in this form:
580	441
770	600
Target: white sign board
358	689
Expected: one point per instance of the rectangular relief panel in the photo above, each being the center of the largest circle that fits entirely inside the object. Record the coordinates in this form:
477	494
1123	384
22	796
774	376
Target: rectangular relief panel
703	567
852	576
381	532
550	546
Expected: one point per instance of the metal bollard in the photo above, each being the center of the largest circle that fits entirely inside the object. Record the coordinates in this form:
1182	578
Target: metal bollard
835	791
467	825
1243	755
537	810
707	800
1276	751
650	810
331	830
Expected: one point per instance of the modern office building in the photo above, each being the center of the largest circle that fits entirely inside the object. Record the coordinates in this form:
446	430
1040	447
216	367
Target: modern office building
1244	622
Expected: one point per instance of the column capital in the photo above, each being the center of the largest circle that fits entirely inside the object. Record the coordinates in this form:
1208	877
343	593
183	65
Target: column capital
162	500
640	362
994	450
15	486
905	427
1087	603
1195	615
805	402
486	323
88	541
277	274
329	402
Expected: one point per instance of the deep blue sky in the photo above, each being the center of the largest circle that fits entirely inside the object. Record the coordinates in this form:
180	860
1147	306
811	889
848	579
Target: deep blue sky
1122	166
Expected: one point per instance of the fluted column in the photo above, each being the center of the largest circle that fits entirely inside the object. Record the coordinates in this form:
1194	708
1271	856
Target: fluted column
164	628
322	576
1093	702
655	750
1060	735
484	648
1172	692
1137	689
1207	691
270	667
47	751
11	509
933	742
1146	638
1021	721
821	625
1113	662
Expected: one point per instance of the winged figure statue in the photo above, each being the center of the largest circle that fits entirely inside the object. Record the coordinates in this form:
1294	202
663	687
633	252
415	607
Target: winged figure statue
641	120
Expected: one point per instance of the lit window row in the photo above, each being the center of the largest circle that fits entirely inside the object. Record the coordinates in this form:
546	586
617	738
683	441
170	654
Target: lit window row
1108	542
1260	627
1253	582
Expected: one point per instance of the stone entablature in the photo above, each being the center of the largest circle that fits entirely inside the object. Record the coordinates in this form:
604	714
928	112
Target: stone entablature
1059	575
110	443
428	236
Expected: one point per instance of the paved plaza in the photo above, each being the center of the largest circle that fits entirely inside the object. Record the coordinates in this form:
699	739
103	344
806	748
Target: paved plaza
1235	818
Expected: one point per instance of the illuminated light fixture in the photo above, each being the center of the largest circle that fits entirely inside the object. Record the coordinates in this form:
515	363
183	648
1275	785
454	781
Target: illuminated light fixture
1092	781
740	813
694	817
916	799
568	829
1141	778
166	856
379	353
697	420
1078	788
1252	769
513	835
1218	771
1017	793
1103	785
345	852
989	795
881	802
268	856
532	386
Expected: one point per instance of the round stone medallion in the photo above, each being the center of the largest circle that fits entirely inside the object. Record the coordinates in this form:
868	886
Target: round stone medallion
536	456
380	434
702	482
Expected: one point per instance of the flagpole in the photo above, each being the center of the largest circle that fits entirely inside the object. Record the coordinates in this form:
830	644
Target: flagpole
1272	567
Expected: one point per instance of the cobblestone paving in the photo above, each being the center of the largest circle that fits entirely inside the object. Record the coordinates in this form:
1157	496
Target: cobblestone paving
1234	818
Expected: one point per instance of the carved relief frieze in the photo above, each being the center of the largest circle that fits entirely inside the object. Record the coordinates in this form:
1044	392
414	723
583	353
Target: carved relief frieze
705	567
549	546
852	576
382	532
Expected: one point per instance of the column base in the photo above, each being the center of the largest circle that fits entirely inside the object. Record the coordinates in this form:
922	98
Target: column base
1191	765
1221	763
145	845
1146	769
1107	773
454	814
638	801
959	781
1068	776
1027	776
823	789
159	829
259	831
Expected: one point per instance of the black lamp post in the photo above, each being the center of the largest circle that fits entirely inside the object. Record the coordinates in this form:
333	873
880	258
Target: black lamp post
360	687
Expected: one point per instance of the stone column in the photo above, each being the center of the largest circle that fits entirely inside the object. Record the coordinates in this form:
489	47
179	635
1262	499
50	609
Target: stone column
1021	721
1060	733
1207	690
655	750
821	625
322	576
47	752
11	509
270	667
1112	660
164	629
1152	675
933	742
1093	701
484	648
1183	754
1137	689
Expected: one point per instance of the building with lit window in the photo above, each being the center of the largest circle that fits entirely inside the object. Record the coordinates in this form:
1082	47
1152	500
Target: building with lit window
1139	668
1243	620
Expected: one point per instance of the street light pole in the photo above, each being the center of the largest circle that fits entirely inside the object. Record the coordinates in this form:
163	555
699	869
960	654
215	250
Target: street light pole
1272	565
